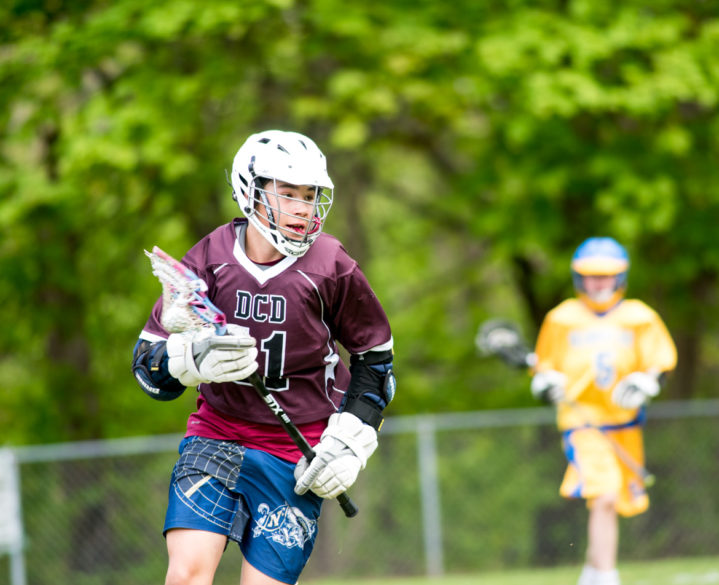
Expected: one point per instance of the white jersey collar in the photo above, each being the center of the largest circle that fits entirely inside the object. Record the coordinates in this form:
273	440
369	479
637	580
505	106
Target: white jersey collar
261	273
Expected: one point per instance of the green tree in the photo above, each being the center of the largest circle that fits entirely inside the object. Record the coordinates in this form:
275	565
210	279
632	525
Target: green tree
474	145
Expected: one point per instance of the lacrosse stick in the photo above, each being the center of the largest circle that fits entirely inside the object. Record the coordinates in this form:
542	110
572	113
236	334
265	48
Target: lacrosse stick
503	339
186	307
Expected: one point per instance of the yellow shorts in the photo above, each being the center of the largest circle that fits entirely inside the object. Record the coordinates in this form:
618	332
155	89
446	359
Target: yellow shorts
595	469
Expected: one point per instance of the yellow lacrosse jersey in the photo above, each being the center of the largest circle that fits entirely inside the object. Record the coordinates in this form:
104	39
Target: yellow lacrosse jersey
596	351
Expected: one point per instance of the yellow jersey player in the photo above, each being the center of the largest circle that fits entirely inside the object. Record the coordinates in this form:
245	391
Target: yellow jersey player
600	359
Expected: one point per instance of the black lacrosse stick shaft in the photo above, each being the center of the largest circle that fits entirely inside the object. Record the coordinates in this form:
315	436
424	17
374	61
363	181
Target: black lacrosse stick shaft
347	505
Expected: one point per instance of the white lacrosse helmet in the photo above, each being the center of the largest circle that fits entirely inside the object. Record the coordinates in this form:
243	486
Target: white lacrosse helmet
273	156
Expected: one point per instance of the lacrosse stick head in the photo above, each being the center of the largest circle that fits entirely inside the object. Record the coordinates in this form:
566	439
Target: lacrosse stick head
185	304
497	337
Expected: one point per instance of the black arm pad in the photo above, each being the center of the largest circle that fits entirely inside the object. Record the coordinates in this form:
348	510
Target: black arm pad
149	366
371	387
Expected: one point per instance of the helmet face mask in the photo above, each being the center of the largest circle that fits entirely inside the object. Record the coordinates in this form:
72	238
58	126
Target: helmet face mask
600	258
280	182
600	288
290	215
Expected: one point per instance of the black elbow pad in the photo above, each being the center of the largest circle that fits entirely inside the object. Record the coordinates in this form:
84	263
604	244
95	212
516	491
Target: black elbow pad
372	386
149	366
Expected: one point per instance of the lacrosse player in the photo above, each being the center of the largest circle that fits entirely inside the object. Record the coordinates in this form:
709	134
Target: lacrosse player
291	294
600	359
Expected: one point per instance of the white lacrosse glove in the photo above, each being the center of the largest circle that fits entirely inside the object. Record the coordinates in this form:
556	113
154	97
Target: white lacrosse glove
548	386
635	389
201	356
341	454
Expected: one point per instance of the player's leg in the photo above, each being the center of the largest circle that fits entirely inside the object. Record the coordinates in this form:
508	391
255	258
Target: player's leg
603	525
594	474
193	556
201	509
251	576
603	533
279	531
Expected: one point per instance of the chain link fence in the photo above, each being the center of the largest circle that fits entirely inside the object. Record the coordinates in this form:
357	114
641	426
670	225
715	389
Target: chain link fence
444	493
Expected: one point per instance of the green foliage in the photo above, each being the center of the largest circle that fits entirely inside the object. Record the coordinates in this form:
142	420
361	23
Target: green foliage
474	145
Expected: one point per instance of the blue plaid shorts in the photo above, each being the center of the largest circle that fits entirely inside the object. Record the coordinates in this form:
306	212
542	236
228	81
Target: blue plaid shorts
248	495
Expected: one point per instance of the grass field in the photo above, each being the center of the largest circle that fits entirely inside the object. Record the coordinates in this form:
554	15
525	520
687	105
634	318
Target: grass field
700	571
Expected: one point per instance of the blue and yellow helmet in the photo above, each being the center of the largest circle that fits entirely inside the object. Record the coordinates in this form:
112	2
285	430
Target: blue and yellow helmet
600	257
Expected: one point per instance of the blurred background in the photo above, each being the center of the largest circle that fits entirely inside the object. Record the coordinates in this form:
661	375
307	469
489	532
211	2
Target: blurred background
473	146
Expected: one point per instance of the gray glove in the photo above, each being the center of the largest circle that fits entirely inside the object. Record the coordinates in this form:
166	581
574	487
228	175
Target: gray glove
341	454
201	356
548	386
635	389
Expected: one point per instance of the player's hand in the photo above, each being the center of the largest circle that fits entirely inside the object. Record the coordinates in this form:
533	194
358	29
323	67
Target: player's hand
635	389
197	357
341	454
548	386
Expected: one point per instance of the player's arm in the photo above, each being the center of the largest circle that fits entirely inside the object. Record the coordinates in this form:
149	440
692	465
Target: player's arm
657	356
548	384
372	383
351	434
166	367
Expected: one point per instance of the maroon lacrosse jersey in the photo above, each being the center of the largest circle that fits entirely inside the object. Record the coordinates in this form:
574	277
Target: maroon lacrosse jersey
298	310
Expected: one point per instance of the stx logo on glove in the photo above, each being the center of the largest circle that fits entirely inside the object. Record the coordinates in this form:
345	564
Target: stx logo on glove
261	307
